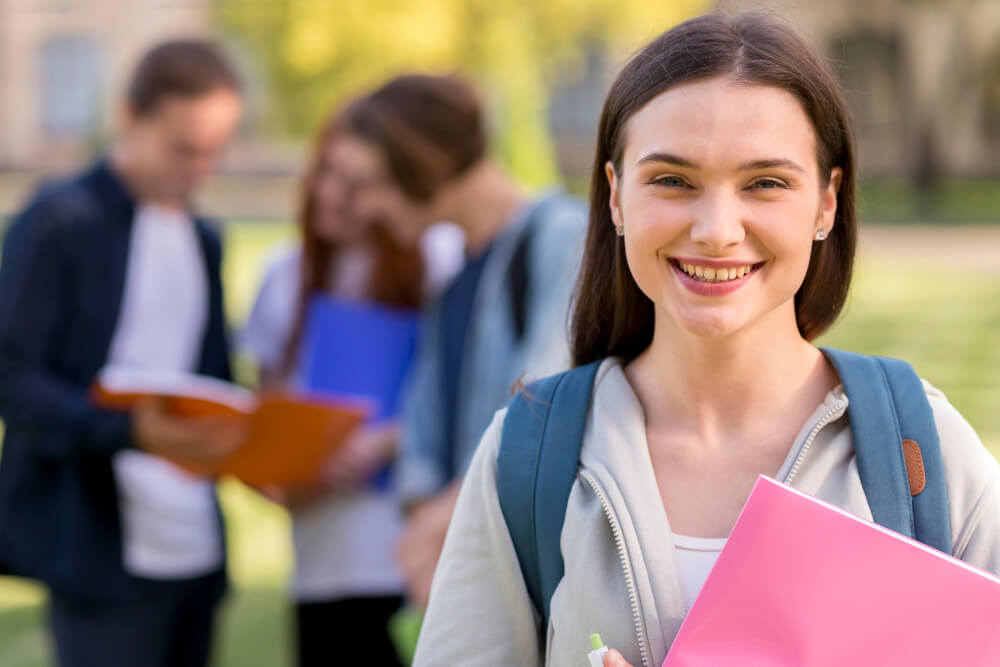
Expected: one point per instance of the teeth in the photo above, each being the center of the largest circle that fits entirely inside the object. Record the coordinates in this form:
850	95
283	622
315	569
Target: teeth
709	274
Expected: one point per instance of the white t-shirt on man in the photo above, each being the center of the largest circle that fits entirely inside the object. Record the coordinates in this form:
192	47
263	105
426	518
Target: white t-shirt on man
169	521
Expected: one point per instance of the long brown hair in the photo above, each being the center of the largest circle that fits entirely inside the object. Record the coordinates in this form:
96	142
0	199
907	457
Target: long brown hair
397	277
612	317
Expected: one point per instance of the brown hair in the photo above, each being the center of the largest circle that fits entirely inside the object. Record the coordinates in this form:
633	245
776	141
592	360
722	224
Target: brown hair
429	128
178	68
612	317
397	275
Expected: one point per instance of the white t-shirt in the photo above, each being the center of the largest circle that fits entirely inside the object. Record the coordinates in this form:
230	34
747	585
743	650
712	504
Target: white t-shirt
695	557
169	523
344	543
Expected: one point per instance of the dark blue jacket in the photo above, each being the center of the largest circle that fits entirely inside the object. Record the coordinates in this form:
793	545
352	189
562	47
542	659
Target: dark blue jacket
62	279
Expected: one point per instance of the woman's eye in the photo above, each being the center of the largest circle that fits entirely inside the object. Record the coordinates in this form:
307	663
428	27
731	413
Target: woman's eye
670	181
767	184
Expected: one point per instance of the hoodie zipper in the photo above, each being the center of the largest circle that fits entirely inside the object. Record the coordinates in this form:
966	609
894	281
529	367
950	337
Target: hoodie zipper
640	632
833	413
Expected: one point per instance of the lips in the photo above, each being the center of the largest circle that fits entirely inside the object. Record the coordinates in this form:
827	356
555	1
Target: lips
711	274
713	277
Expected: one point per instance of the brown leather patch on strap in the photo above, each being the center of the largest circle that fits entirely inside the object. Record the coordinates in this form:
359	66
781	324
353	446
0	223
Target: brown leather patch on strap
914	466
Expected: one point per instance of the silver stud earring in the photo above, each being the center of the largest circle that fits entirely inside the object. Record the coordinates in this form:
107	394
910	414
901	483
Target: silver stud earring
821	235
620	230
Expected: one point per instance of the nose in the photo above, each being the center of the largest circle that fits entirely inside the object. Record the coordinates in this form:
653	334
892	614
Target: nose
718	222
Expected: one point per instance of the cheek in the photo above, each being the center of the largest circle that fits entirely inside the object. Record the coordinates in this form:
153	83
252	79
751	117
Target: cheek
789	229
651	226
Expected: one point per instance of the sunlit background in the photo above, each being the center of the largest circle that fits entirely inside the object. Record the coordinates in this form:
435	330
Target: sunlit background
922	77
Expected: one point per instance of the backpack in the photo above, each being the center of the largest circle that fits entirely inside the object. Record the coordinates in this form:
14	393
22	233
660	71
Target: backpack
889	415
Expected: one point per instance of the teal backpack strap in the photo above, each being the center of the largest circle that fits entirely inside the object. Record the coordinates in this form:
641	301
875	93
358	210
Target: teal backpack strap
536	468
887	404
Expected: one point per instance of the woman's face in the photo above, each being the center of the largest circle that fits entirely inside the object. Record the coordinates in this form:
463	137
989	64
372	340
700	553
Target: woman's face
347	167
720	180
381	201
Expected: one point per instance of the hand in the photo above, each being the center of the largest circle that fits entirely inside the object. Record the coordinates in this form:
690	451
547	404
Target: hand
355	462
423	538
614	659
197	440
295	497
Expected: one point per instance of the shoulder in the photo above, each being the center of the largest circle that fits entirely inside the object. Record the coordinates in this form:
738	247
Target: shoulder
283	258
281	268
559	215
482	470
442	249
968	464
209	230
56	206
972	477
557	231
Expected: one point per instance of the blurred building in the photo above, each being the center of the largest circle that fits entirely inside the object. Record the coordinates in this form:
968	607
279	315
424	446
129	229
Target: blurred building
63	65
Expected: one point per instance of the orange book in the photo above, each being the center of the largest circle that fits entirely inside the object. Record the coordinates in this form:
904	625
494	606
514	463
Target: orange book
290	437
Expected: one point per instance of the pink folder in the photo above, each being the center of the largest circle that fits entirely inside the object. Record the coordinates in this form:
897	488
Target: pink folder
802	583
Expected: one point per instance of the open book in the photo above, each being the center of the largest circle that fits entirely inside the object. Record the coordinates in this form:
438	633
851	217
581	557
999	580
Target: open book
289	439
802	583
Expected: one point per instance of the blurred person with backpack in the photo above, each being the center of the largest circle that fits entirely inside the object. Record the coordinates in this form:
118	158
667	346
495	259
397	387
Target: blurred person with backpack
503	317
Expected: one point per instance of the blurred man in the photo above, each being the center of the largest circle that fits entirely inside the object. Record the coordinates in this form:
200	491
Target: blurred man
503	317
110	268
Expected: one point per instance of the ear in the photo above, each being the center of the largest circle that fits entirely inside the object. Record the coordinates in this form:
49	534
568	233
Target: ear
828	201
613	203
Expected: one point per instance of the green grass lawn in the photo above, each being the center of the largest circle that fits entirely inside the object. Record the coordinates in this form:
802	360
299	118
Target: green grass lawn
941	317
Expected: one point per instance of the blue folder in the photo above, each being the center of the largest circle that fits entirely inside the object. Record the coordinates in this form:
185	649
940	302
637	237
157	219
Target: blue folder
359	350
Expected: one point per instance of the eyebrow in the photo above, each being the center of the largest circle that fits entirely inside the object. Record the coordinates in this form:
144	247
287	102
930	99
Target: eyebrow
753	165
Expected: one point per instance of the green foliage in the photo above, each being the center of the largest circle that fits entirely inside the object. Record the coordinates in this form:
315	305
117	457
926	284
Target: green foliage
315	54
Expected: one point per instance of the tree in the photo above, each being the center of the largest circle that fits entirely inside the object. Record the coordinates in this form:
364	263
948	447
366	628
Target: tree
316	53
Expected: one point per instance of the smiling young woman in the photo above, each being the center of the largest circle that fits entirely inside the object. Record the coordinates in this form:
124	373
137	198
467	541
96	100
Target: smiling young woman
721	241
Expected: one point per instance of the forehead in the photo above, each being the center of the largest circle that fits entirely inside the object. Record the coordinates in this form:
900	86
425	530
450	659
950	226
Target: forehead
204	116
349	153
718	122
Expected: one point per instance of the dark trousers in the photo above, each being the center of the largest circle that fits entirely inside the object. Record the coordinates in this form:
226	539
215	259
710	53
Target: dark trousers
351	631
168	624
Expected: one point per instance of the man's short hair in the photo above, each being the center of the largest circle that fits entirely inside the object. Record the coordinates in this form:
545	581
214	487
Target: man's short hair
179	68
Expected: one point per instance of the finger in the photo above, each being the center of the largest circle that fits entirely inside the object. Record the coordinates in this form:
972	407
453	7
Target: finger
274	493
614	659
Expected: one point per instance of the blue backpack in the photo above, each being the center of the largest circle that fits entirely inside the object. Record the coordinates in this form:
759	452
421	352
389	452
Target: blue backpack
889	414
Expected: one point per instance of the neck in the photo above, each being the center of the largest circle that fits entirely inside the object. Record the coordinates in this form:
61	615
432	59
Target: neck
720	385
483	202
138	181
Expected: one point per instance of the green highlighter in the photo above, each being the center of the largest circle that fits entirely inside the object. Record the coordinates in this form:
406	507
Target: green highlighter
596	657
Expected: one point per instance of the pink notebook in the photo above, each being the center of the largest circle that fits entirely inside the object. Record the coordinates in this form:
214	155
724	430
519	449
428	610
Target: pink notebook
802	583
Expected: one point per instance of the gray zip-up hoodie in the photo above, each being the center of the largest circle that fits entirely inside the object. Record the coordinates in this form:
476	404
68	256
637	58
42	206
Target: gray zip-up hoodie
621	579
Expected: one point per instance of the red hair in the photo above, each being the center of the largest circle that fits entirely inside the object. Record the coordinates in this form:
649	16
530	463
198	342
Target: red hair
397	277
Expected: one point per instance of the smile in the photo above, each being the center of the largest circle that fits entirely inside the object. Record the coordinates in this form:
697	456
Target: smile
713	280
709	274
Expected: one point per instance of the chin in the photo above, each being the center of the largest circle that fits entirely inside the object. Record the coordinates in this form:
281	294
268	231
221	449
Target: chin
710	331
710	325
